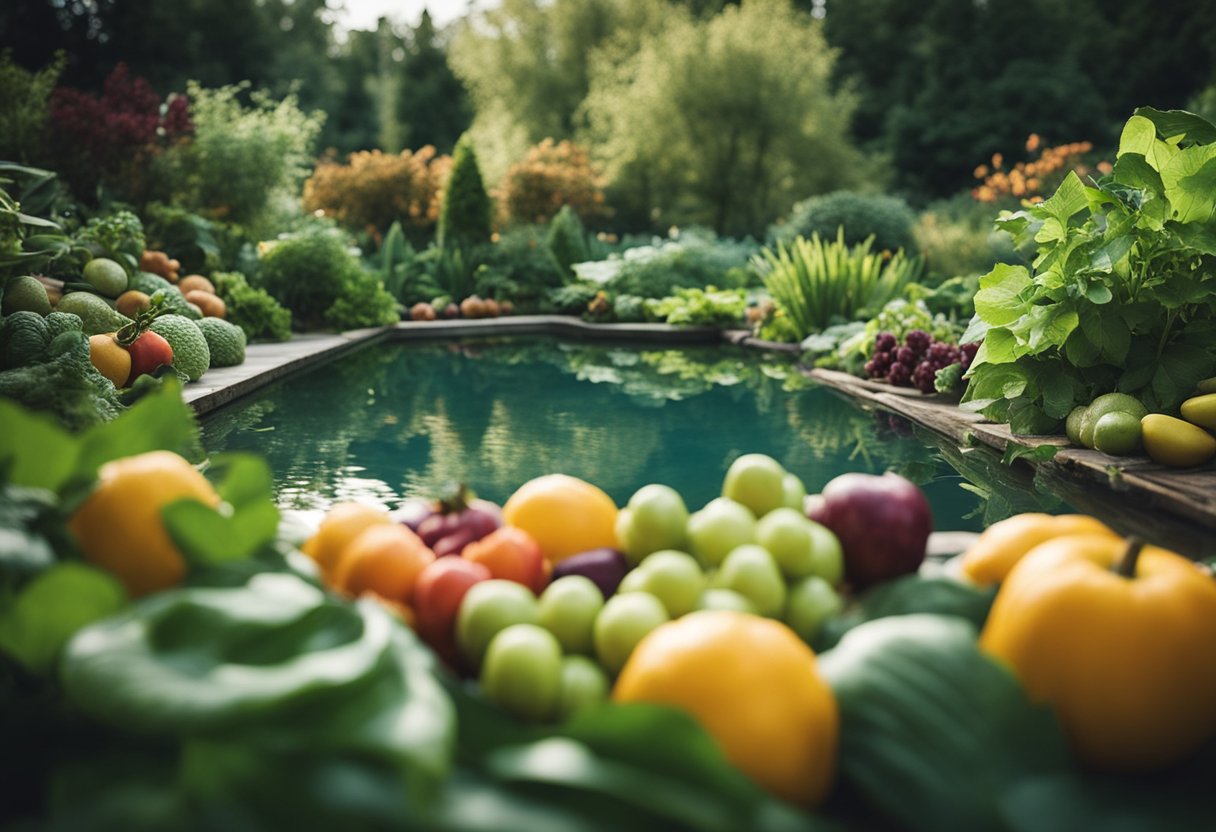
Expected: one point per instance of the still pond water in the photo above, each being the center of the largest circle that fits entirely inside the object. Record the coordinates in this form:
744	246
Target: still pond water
402	420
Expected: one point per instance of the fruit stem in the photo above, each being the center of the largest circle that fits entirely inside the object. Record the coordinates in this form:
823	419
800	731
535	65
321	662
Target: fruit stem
1126	568
130	333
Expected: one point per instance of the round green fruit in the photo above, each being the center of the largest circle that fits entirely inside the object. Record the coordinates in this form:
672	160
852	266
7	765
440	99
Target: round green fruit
675	578
584	685
716	598
1117	434
487	609
1072	425
522	673
568	608
624	621
106	276
756	481
753	573
718	528
1104	404
811	602
654	518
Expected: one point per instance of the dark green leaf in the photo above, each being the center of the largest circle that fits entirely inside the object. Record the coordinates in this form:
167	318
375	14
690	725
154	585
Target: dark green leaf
1132	169
1179	369
52	608
1028	419
1196	235
1041	453
1107	331
159	421
906	595
934	733
1098	293
1059	392
214	536
1174	123
1190	184
243	478
34	449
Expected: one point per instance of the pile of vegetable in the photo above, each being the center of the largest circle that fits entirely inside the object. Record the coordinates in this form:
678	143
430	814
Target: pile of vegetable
170	657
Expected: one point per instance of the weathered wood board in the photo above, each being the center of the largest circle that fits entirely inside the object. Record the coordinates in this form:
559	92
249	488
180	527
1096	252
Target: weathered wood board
1151	494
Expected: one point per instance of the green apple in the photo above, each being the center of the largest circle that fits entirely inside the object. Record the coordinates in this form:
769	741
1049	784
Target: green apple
757	481
522	673
719	527
753	573
827	554
568	608
584	685
675	578
623	622
786	533
724	599
794	490
811	602
654	519
495	605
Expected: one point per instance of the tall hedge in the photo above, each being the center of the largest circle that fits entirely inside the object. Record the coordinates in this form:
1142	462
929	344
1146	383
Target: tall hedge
465	217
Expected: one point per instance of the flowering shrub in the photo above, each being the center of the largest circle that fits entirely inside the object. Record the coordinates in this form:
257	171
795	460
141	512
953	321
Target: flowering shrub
1031	179
110	139
374	189
551	175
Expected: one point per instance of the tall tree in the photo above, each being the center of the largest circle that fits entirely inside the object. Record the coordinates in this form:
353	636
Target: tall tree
724	122
432	104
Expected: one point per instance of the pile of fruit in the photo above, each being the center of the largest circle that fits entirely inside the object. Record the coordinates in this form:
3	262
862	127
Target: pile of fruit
921	361
1119	425
768	651
474	306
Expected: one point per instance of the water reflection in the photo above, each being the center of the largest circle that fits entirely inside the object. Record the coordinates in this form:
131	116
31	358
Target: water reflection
393	421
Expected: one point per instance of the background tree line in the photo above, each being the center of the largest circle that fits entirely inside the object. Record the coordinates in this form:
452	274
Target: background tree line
697	111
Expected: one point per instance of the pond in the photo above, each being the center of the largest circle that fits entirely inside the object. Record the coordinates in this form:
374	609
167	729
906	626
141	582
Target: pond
400	420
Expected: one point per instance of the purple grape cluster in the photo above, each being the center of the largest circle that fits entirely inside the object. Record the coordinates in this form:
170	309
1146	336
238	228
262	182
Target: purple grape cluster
916	362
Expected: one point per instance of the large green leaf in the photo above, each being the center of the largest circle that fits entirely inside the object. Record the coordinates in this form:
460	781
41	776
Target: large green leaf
1140	136
1107	331
1171	124
998	301
935	734
34	449
52	608
1190	184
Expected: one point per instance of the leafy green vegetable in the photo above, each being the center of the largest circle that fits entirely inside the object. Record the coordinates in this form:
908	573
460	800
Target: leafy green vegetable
710	306
1122	292
253	310
66	385
934	733
118	236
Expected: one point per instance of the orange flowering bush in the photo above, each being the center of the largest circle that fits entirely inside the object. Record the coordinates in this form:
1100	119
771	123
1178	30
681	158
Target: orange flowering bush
1031	179
551	175
374	189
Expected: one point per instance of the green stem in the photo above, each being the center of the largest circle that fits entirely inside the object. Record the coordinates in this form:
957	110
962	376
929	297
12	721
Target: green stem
1126	568
1170	317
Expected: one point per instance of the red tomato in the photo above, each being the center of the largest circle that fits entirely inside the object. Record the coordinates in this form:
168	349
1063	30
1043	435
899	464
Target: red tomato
437	595
148	352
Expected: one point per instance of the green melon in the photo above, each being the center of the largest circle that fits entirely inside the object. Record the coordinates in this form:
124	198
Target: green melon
25	294
96	315
226	341
191	356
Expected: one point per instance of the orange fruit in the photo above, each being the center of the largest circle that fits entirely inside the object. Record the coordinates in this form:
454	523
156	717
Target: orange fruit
382	559
341	525
753	685
119	526
110	358
1003	544
564	514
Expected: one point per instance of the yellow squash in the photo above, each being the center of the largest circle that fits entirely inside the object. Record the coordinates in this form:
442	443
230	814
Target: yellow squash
1003	544
1120	640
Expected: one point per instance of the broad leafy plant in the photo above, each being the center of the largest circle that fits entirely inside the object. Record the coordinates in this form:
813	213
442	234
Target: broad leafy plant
817	283
1122	292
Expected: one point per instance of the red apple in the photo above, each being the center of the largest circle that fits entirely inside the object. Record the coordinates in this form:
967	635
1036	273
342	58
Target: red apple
441	587
148	352
883	523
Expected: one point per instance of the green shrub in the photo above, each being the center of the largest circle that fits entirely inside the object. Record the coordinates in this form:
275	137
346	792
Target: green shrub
363	303
887	218
307	272
817	284
691	262
244	159
956	238
519	266
465	216
191	239
572	299
567	240
25	107
253	310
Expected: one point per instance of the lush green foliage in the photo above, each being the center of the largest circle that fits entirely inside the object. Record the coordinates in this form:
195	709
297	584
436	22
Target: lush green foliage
723	122
817	284
887	218
551	176
373	189
956	238
710	306
254	310
25	108
311	271
61	380
464	218
520	265
692	260
243	158
1120	295
567	239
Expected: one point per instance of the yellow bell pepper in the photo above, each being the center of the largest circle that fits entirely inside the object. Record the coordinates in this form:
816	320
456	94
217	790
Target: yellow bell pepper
1120	640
